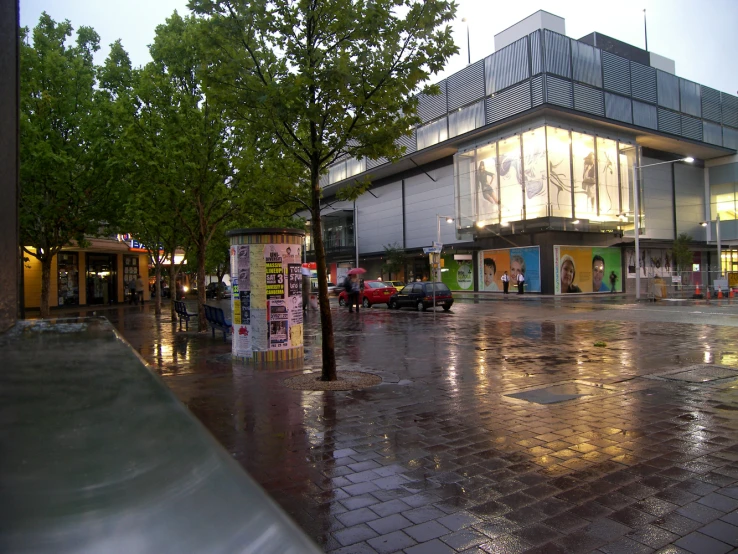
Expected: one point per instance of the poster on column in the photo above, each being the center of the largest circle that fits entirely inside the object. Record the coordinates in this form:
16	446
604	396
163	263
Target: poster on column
278	317
494	263
587	269
240	287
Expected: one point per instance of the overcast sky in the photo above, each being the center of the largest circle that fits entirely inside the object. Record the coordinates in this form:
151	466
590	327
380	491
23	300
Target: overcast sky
701	36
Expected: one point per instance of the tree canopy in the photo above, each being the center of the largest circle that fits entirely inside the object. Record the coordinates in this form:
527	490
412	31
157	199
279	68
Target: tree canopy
323	79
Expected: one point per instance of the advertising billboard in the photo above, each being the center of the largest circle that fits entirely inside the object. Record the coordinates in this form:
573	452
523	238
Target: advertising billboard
587	269
457	274
494	263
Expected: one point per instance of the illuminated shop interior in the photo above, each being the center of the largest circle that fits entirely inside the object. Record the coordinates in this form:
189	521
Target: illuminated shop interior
547	178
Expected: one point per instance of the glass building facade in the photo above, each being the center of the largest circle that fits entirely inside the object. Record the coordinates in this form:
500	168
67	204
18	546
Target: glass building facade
546	172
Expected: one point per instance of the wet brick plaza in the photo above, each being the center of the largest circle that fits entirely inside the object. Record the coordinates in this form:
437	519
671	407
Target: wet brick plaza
498	427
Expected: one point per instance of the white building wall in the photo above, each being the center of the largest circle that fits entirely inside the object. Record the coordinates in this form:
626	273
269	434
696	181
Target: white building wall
380	219
425	198
658	208
539	20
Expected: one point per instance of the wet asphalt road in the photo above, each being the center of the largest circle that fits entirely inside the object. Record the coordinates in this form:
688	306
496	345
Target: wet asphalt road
638	452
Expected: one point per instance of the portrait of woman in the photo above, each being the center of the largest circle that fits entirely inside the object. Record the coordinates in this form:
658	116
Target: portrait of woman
485	182
568	272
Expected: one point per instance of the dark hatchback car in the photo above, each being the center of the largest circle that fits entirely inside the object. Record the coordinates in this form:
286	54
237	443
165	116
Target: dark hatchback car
420	296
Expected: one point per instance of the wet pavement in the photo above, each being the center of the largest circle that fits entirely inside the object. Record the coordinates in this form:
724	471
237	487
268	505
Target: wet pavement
499	426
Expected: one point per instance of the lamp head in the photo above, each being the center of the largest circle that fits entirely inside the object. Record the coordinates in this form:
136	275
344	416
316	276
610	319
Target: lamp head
575	222
688	159
449	220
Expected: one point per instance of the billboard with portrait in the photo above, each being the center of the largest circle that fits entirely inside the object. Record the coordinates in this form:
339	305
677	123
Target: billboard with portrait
587	269
525	260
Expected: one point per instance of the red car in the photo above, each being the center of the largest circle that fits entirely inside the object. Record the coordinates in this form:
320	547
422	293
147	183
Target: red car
372	292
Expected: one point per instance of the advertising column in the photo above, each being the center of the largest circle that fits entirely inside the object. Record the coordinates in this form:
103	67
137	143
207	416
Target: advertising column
266	298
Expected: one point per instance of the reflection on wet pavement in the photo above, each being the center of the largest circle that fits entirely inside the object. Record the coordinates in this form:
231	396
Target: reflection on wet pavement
440	457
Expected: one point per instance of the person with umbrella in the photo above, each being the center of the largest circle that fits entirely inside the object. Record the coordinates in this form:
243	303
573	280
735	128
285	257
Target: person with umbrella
354	288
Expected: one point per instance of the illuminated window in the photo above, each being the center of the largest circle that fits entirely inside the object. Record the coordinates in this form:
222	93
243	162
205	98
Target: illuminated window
607	177
511	179
585	175
534	173
559	171
466	119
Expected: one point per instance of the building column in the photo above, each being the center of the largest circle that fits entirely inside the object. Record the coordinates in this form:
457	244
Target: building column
9	164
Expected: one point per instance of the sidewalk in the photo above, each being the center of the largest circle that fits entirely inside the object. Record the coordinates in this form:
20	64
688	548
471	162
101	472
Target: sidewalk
497	427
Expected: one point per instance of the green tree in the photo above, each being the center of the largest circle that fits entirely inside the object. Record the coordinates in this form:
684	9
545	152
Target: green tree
325	79
70	173
395	259
681	254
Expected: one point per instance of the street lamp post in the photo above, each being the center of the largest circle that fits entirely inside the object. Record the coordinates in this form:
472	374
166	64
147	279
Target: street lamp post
468	44
437	255
637	217
719	249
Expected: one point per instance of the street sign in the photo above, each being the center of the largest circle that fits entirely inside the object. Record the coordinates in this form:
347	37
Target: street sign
438	245
431	250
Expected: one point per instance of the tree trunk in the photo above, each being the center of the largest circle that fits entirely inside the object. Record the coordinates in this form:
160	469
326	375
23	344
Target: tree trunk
202	323
326	319
157	289
173	289
45	284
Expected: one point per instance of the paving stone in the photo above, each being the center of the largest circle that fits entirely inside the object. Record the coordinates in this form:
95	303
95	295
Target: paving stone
391	542
430	547
653	536
719	502
389	524
355	534
464	539
721	531
699	512
624	545
427	531
702	544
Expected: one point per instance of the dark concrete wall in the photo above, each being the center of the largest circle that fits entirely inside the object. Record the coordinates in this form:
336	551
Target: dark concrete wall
9	164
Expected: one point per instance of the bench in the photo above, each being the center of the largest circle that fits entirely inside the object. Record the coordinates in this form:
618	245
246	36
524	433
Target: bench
182	313
216	319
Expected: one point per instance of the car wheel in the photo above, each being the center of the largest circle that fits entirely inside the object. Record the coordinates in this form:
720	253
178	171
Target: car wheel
366	303
393	305
421	306
341	302
446	308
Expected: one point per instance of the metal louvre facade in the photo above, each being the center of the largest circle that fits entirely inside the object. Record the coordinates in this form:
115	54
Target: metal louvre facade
466	86
547	68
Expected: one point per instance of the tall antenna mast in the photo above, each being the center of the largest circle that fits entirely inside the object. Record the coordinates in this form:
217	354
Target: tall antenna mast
645	28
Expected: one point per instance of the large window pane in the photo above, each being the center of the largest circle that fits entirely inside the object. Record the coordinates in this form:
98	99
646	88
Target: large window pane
354	166
432	133
511	180
465	190
466	119
723	201
627	161
607	176
487	185
337	172
534	166
585	175
559	171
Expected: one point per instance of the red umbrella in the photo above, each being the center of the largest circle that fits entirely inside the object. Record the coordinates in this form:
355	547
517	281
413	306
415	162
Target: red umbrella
357	271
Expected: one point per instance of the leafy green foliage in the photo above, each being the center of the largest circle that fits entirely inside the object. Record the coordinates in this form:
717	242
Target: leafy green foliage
681	254
395	258
324	79
71	178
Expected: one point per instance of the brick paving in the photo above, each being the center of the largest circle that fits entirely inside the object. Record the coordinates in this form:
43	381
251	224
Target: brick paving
439	458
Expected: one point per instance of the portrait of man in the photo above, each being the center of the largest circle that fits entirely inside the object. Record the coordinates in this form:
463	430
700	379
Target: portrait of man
598	272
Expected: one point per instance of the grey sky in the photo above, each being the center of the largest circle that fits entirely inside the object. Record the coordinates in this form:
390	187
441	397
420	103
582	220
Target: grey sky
701	36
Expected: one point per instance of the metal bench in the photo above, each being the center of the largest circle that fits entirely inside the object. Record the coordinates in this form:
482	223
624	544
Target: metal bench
216	319
182	313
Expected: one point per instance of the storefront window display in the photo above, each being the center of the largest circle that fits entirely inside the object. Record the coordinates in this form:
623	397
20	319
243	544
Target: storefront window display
457	271
511	180
546	171
607	176
559	171
534	173
584	173
487	193
68	278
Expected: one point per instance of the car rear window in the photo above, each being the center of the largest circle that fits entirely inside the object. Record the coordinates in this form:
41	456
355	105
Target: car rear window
439	287
377	285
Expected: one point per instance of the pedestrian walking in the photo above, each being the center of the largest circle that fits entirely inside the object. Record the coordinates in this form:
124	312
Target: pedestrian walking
354	295
505	282
521	283
139	289
613	278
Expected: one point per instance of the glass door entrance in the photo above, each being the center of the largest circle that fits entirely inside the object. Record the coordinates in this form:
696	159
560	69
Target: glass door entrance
101	279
